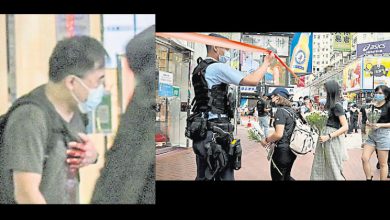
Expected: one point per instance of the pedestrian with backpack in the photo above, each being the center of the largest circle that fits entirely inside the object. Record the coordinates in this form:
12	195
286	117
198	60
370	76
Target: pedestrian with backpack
283	158
42	137
330	154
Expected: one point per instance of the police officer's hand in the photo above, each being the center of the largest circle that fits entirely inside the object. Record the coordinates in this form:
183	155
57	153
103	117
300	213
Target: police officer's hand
81	154
269	58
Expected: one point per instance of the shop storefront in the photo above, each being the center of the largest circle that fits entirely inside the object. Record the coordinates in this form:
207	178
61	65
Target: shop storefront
172	95
363	75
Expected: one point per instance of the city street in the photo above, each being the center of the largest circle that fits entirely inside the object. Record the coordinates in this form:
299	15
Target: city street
180	164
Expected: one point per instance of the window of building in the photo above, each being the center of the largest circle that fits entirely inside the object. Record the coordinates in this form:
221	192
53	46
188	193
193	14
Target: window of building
168	119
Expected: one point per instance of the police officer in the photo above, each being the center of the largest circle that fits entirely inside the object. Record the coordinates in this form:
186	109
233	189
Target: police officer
211	80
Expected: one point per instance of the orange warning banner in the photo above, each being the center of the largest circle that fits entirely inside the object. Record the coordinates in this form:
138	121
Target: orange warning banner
221	42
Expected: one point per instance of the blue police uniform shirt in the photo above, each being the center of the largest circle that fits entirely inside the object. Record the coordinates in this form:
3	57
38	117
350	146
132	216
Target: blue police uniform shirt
218	73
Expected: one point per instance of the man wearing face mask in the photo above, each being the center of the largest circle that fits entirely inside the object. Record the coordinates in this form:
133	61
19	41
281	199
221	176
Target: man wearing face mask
213	108
45	140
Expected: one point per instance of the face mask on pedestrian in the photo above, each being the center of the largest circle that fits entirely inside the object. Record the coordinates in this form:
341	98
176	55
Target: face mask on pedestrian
224	58
273	102
95	97
379	97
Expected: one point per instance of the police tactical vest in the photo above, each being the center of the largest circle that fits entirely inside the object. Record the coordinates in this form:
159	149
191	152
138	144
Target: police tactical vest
215	100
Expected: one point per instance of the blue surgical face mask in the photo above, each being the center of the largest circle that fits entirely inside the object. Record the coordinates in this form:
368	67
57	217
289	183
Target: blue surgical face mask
95	97
225	58
379	97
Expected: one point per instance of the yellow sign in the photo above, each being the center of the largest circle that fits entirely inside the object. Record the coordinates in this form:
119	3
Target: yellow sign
376	71
301	52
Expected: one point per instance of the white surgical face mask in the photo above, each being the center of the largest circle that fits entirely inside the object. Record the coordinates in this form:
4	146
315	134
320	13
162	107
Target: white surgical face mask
225	58
95	97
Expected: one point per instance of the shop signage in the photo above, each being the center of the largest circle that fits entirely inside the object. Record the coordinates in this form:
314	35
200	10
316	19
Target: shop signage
373	48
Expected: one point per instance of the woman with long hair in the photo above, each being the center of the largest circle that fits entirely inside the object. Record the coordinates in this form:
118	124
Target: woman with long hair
379	138
330	152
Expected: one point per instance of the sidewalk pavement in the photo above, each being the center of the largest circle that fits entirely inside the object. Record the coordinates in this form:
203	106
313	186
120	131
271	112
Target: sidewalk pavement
180	164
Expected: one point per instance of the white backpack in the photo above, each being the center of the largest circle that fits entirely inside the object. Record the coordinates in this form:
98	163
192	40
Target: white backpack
304	138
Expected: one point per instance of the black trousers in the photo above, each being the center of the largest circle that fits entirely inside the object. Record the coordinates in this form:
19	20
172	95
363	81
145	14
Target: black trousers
284	159
353	124
201	162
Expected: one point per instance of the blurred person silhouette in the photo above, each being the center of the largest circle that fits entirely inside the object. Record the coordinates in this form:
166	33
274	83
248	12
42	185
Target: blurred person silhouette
129	173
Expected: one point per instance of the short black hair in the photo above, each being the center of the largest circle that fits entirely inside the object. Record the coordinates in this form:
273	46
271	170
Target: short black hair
75	56
385	90
141	51
306	97
300	97
210	47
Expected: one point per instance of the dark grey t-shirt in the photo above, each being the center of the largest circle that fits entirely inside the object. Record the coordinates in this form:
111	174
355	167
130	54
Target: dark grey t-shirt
282	117
333	116
26	137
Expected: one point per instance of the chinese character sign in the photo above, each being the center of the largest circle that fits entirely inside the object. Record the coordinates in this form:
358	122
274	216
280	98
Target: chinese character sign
342	41
301	53
278	44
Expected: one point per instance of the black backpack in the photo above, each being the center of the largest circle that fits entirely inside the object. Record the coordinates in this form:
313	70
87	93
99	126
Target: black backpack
37	98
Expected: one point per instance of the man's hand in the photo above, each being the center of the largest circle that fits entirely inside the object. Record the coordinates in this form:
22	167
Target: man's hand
269	58
85	153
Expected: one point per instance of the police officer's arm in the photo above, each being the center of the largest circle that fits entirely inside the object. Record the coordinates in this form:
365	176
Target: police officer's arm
254	78
26	186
